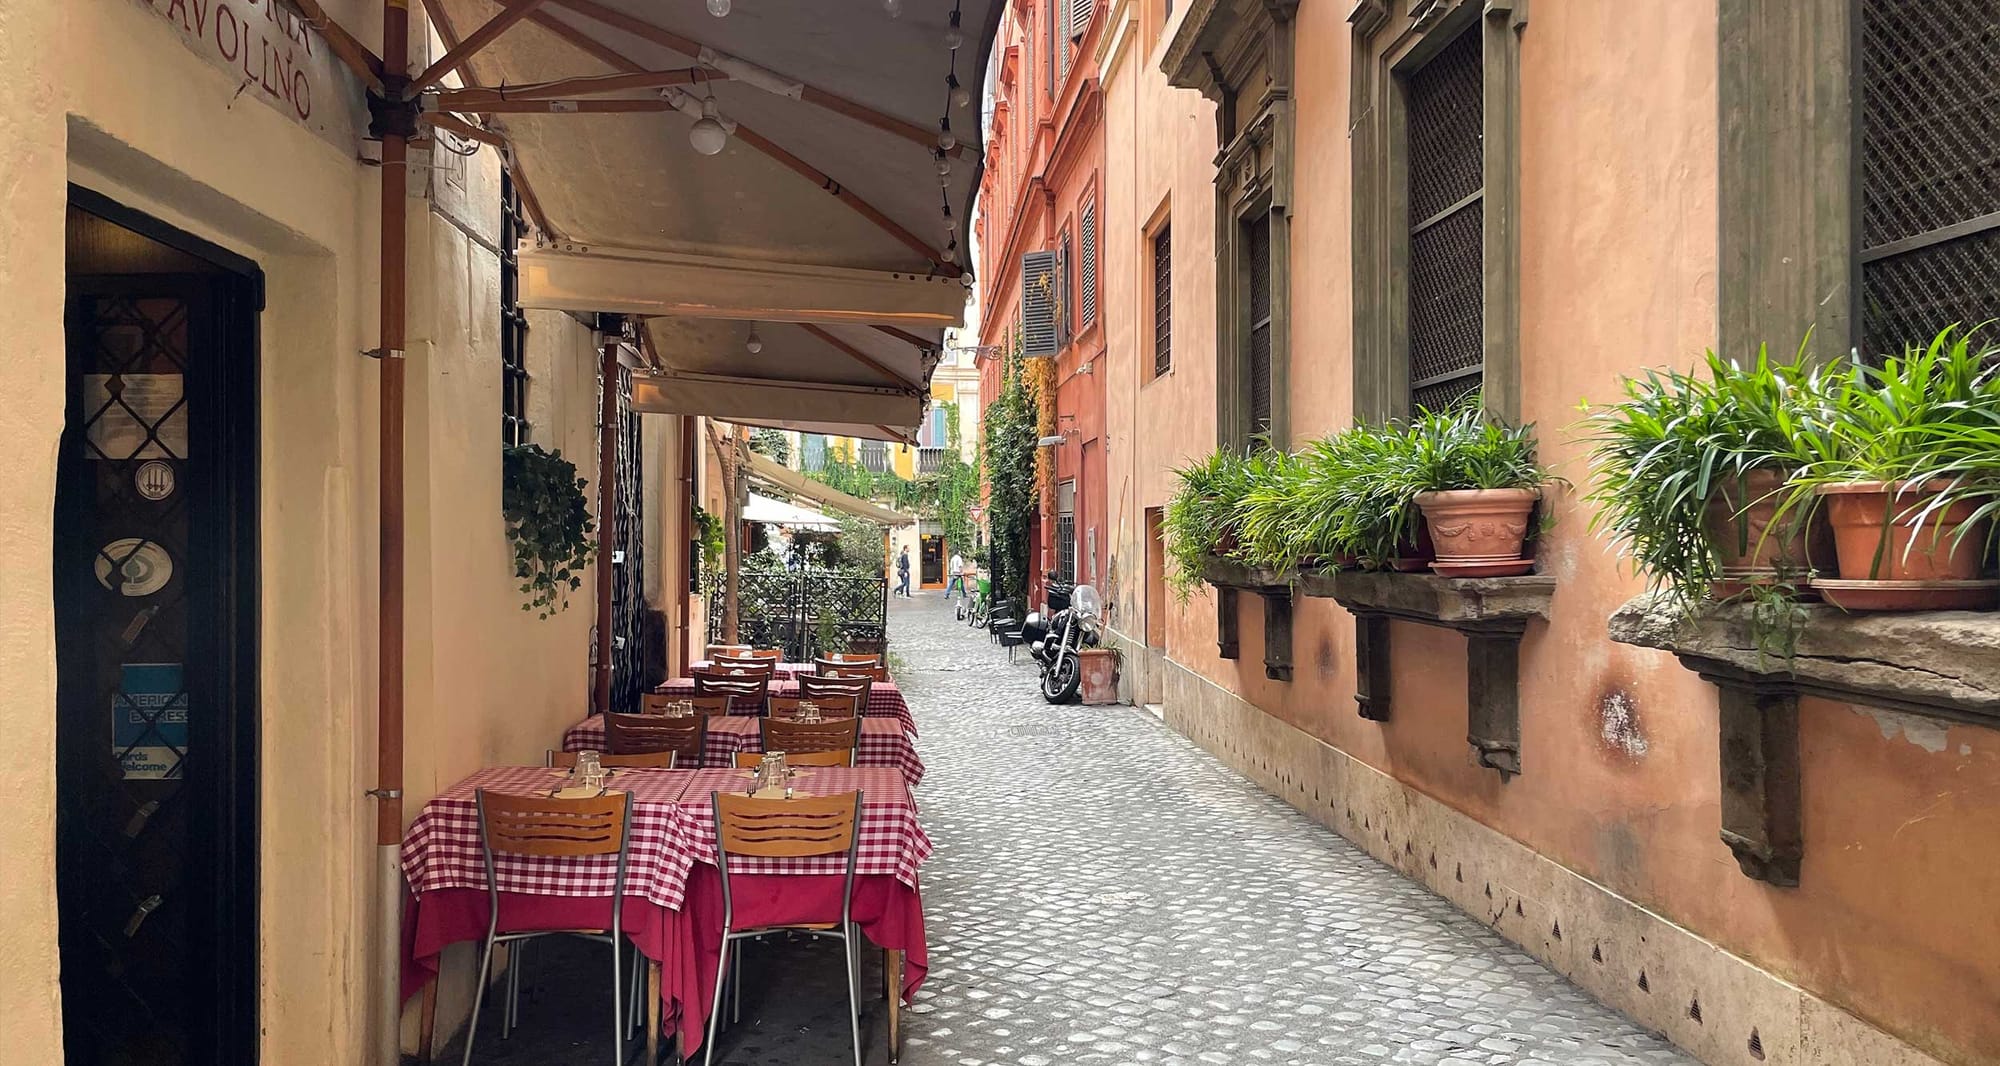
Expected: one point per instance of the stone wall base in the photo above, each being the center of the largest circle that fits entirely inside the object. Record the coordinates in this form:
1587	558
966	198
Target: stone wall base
1626	956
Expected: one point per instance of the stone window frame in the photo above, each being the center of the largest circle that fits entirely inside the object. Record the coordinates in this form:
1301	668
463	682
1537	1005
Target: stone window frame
1391	39
1218	47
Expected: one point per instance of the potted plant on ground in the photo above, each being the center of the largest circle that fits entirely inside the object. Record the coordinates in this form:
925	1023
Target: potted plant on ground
1690	473
1477	482
1201	516
1908	469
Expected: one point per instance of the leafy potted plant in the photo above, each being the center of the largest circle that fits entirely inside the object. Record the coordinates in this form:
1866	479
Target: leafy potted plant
1690	473
1908	469
1201	518
1477	482
548	520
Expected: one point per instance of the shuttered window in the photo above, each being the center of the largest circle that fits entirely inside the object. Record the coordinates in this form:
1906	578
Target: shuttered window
513	321
1086	267
1257	242
1052	17
1079	17
1446	179
1038	304
1929	160
1065	291
1163	301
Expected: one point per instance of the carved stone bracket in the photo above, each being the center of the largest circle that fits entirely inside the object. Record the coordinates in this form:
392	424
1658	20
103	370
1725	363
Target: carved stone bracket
1275	589
1493	614
1942	665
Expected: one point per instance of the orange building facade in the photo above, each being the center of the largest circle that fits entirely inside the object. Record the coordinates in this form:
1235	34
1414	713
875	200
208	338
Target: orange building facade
1039	232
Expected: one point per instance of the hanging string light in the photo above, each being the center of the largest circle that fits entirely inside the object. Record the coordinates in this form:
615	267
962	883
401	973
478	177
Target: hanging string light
718	8
893	7
953	36
956	95
755	344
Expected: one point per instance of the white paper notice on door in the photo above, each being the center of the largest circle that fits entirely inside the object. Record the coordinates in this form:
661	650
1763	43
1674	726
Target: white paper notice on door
135	416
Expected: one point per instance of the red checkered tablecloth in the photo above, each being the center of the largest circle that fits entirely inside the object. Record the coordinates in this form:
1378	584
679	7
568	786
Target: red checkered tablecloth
673	827
441	848
891	840
885	700
883	742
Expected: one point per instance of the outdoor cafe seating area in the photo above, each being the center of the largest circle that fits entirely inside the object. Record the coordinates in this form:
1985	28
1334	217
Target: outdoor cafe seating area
620	836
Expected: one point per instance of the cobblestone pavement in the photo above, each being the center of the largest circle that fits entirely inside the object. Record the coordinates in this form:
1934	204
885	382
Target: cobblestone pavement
1105	892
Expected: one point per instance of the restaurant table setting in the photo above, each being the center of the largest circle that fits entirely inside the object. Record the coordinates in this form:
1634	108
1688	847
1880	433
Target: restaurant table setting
883	742
673	907
885	700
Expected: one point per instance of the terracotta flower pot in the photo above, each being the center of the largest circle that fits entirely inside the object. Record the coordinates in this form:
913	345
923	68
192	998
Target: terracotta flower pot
1479	532
1877	536
1738	523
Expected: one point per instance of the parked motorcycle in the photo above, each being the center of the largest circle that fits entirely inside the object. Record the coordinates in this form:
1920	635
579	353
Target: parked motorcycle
1073	625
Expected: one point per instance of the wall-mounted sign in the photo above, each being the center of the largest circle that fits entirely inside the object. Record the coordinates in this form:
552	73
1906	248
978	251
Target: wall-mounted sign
154	479
276	58
149	723
134	567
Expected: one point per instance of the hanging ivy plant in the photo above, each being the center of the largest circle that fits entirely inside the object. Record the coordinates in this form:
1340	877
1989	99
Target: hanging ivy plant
548	519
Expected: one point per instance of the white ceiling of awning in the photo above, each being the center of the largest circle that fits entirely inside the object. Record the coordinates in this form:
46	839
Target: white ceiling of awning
743	235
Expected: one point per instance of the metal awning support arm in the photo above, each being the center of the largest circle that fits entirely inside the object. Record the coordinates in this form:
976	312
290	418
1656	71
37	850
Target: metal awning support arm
476	40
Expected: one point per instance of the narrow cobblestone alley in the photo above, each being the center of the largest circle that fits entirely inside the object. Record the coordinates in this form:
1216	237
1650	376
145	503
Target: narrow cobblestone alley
1105	892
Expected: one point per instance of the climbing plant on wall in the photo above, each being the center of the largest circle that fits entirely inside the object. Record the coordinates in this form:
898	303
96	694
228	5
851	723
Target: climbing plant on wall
1011	427
772	444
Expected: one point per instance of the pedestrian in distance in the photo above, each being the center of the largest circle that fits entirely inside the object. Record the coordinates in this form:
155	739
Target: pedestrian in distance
903	572
957	578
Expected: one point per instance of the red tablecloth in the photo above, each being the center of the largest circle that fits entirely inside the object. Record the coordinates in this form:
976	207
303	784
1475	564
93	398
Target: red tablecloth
883	742
885	700
673	906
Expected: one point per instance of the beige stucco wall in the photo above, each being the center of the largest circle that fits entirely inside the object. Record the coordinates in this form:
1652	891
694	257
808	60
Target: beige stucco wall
1621	780
104	93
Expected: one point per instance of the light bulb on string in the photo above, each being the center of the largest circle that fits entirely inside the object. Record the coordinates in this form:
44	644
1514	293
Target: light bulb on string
947	140
943	165
960	95
755	344
953	36
951	252
707	134
893	7
718	8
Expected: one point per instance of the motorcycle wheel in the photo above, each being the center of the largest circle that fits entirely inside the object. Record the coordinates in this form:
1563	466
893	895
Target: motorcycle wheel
1060	682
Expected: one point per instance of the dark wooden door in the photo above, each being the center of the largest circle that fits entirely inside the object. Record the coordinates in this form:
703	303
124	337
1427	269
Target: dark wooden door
156	630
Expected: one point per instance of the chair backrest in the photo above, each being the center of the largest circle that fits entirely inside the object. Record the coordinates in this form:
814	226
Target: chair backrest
786	828
746	691
875	671
640	734
849	658
775	655
653	760
829	706
814	686
832	734
748	760
662	703
748	664
512	824
725	649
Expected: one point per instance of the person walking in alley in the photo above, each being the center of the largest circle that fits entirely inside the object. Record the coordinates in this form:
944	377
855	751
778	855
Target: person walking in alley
957	578
903	572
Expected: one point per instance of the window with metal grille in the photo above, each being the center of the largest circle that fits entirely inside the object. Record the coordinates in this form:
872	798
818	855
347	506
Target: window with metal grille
1257	244
1086	296
513	322
1054	35
1163	301
1446	112
1066	531
875	456
1929	162
1065	291
812	450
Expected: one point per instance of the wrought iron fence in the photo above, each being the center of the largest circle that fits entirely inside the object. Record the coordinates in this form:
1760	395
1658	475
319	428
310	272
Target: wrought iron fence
804	612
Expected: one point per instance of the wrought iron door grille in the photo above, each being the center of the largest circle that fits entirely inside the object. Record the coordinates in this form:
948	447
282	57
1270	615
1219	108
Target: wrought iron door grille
1163	301
1446	115
630	633
782	608
514	427
1929	163
1258	365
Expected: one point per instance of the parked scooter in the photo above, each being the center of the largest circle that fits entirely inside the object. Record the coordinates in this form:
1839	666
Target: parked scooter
1073	625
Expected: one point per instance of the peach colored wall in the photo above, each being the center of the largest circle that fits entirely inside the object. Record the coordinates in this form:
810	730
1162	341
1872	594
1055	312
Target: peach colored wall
1619	745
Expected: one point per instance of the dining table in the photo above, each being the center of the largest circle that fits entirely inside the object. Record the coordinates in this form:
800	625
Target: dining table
673	899
885	699
883	742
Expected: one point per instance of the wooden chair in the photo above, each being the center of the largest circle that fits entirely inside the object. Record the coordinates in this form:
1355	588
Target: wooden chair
748	827
725	649
651	760
705	706
817	686
775	655
750	664
746	692
849	658
645	734
832	734
830	667
748	760
829	706
544	827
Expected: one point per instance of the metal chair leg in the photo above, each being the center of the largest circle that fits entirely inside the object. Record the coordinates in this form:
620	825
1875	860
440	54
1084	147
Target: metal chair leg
715	1008
853	995
511	1016
478	997
636	1002
736	984
617	1003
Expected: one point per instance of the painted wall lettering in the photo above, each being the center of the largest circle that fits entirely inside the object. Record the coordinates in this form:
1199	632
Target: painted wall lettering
274	55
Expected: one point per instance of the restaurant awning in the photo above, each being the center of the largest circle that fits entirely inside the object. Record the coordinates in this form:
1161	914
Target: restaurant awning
787	480
772	512
831	219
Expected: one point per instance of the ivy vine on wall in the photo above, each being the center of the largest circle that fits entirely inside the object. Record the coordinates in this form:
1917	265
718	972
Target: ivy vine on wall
548	520
1011	424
